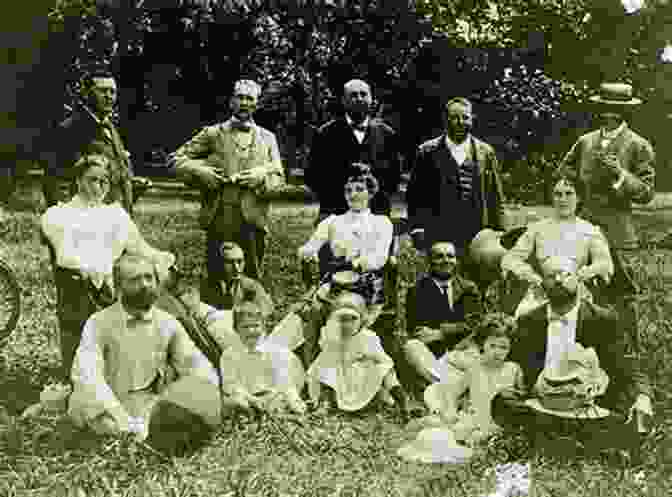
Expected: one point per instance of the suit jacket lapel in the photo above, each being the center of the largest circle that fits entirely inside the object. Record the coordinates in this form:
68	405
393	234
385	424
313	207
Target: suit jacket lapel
445	161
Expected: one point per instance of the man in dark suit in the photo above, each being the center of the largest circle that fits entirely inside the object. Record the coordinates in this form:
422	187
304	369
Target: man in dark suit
542	336
230	286
455	190
436	311
90	131
355	137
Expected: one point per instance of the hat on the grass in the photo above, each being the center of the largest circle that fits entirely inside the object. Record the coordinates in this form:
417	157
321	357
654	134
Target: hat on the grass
616	94
435	445
572	383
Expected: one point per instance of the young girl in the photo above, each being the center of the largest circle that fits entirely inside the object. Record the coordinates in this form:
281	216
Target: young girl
480	369
352	362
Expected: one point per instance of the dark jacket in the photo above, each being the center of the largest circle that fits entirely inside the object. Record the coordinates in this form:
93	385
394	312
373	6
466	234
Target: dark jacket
427	306
335	147
596	327
248	290
83	134
434	197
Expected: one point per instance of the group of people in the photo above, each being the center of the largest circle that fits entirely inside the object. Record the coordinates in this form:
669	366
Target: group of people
151	351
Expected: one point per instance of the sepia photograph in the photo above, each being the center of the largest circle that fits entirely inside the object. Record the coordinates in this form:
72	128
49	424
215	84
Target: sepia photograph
336	248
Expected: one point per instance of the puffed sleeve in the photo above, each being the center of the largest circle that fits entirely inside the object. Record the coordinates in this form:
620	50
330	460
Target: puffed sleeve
515	260
319	237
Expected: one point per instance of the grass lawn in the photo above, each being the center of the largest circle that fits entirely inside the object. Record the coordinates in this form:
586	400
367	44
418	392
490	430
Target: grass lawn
329	455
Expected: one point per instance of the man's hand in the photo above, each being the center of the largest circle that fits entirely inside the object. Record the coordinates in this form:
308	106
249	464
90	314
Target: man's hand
585	274
448	329
208	176
250	178
612	167
428	335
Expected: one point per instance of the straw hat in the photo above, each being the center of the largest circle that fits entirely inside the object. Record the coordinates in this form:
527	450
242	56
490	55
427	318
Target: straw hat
435	445
618	94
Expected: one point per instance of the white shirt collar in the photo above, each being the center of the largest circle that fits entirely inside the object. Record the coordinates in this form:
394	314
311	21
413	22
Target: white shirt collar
610	135
451	144
234	119
351	122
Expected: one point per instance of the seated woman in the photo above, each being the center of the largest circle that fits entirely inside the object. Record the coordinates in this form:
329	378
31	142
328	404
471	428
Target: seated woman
86	237
562	236
256	374
352	363
357	241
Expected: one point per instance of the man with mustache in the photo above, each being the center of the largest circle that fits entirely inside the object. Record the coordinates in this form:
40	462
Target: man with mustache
233	164
137	371
355	137
455	190
546	333
436	311
90	131
614	167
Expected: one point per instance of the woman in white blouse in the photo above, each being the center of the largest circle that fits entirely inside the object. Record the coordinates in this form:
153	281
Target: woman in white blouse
357	240
580	245
86	237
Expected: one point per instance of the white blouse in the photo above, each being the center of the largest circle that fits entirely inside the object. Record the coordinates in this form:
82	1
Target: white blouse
577	240
358	236
91	238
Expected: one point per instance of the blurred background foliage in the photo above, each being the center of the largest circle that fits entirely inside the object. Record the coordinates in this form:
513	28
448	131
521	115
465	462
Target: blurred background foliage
527	64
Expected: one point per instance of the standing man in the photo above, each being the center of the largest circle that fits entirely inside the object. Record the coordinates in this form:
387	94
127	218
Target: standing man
355	137
90	131
233	163
614	167
455	190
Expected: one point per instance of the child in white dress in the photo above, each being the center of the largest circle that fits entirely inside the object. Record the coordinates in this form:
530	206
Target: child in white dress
352	362
479	369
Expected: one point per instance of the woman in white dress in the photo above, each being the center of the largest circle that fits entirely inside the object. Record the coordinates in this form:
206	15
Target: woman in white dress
86	237
581	246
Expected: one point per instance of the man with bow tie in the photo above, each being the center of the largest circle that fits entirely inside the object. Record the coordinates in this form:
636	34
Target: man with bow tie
354	137
436	311
455	190
90	131
614	168
545	335
137	371
234	164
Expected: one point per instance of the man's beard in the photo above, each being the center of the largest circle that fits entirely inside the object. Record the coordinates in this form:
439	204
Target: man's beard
142	300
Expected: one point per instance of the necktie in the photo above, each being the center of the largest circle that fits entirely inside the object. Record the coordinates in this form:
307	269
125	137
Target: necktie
446	290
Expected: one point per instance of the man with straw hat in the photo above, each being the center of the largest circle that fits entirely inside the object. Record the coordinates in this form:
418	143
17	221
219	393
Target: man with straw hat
614	167
548	334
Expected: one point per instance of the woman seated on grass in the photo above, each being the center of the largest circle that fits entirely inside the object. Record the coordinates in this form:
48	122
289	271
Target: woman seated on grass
87	236
352	368
258	375
563	235
358	242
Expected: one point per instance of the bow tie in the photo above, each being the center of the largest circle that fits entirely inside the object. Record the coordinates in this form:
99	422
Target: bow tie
558	317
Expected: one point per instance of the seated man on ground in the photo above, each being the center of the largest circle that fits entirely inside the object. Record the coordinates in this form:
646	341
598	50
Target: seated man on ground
352	365
258	375
546	335
437	308
231	286
124	368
